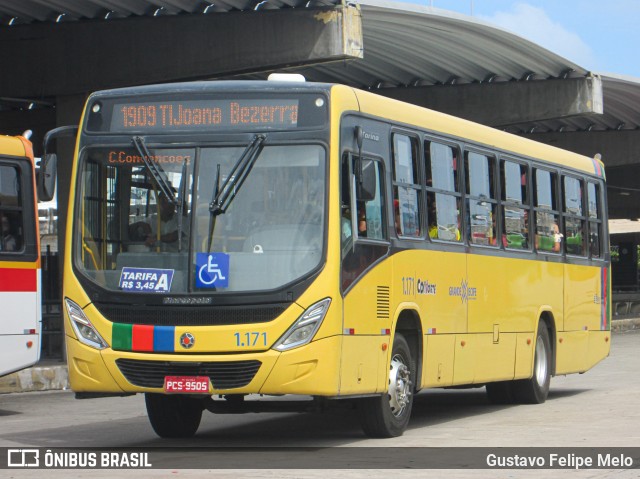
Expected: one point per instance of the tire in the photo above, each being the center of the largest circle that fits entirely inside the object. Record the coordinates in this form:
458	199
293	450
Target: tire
536	389
173	416
388	415
500	392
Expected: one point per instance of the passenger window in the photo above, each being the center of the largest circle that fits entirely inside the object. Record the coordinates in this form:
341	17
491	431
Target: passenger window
574	221
443	192
547	217
482	202
370	221
406	186
595	219
11	227
515	200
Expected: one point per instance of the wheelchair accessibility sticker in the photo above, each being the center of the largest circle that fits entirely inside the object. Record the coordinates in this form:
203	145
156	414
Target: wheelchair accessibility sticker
146	280
212	270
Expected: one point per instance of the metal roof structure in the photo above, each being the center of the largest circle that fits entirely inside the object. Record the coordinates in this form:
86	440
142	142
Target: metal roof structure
411	45
405	45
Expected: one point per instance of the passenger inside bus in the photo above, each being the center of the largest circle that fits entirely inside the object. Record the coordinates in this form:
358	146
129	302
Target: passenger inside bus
396	216
159	228
550	241
9	242
448	230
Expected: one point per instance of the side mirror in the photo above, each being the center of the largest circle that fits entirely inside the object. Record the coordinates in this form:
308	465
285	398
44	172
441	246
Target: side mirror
46	176
366	184
46	181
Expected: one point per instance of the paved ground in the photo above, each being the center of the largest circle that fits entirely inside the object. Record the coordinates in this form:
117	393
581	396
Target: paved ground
53	375
596	409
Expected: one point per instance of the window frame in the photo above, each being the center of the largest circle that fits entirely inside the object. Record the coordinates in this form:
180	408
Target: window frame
26	210
459	187
418	175
598	220
568	216
524	205
492	158
554	209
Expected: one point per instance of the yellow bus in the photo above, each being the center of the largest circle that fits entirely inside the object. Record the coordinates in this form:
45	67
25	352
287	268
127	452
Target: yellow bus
20	283
232	241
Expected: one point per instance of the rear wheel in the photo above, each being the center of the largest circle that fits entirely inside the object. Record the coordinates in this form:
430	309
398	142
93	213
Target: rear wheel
388	415
173	415
536	389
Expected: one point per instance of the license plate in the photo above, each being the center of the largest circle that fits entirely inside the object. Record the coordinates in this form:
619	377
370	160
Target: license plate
186	384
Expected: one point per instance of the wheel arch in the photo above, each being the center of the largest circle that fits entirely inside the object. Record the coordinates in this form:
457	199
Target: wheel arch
409	325
548	319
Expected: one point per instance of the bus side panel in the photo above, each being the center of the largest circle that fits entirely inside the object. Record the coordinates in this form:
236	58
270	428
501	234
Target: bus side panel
434	281
510	293
579	351
437	370
525	348
19	311
583	296
465	359
571	351
367	318
15	352
599	347
494	356
19	324
363	358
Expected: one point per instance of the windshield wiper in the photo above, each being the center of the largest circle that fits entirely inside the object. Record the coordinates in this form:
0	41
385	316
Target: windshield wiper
181	195
157	172
224	195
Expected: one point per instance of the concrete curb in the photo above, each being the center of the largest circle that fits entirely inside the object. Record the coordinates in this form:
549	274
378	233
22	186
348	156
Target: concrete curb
621	325
45	378
37	378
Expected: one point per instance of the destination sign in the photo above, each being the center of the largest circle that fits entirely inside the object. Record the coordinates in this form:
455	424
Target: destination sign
205	115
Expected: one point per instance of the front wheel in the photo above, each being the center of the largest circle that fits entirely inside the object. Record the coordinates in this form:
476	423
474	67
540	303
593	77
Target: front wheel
388	415
173	415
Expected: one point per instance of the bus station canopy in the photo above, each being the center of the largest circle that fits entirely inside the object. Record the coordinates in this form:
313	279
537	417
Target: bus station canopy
436	58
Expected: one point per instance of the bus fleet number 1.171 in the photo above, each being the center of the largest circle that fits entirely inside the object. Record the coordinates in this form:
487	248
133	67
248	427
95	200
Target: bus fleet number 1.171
250	339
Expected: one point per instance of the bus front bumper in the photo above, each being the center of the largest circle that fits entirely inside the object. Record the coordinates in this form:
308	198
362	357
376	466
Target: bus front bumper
312	369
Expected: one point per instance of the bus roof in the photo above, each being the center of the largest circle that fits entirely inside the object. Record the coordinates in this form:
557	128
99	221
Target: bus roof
14	145
383	107
465	130
213	86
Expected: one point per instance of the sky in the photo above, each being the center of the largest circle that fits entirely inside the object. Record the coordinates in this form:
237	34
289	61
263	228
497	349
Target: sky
602	36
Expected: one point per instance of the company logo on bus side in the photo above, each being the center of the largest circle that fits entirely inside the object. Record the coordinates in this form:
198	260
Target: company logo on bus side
464	291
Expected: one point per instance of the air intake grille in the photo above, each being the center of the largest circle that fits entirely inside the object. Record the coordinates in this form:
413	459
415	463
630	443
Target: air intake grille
383	298
189	316
223	375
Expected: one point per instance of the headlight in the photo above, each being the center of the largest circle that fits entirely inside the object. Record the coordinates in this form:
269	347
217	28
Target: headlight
85	331
305	327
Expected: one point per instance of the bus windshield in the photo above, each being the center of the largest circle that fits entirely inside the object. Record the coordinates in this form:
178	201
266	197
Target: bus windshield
131	237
